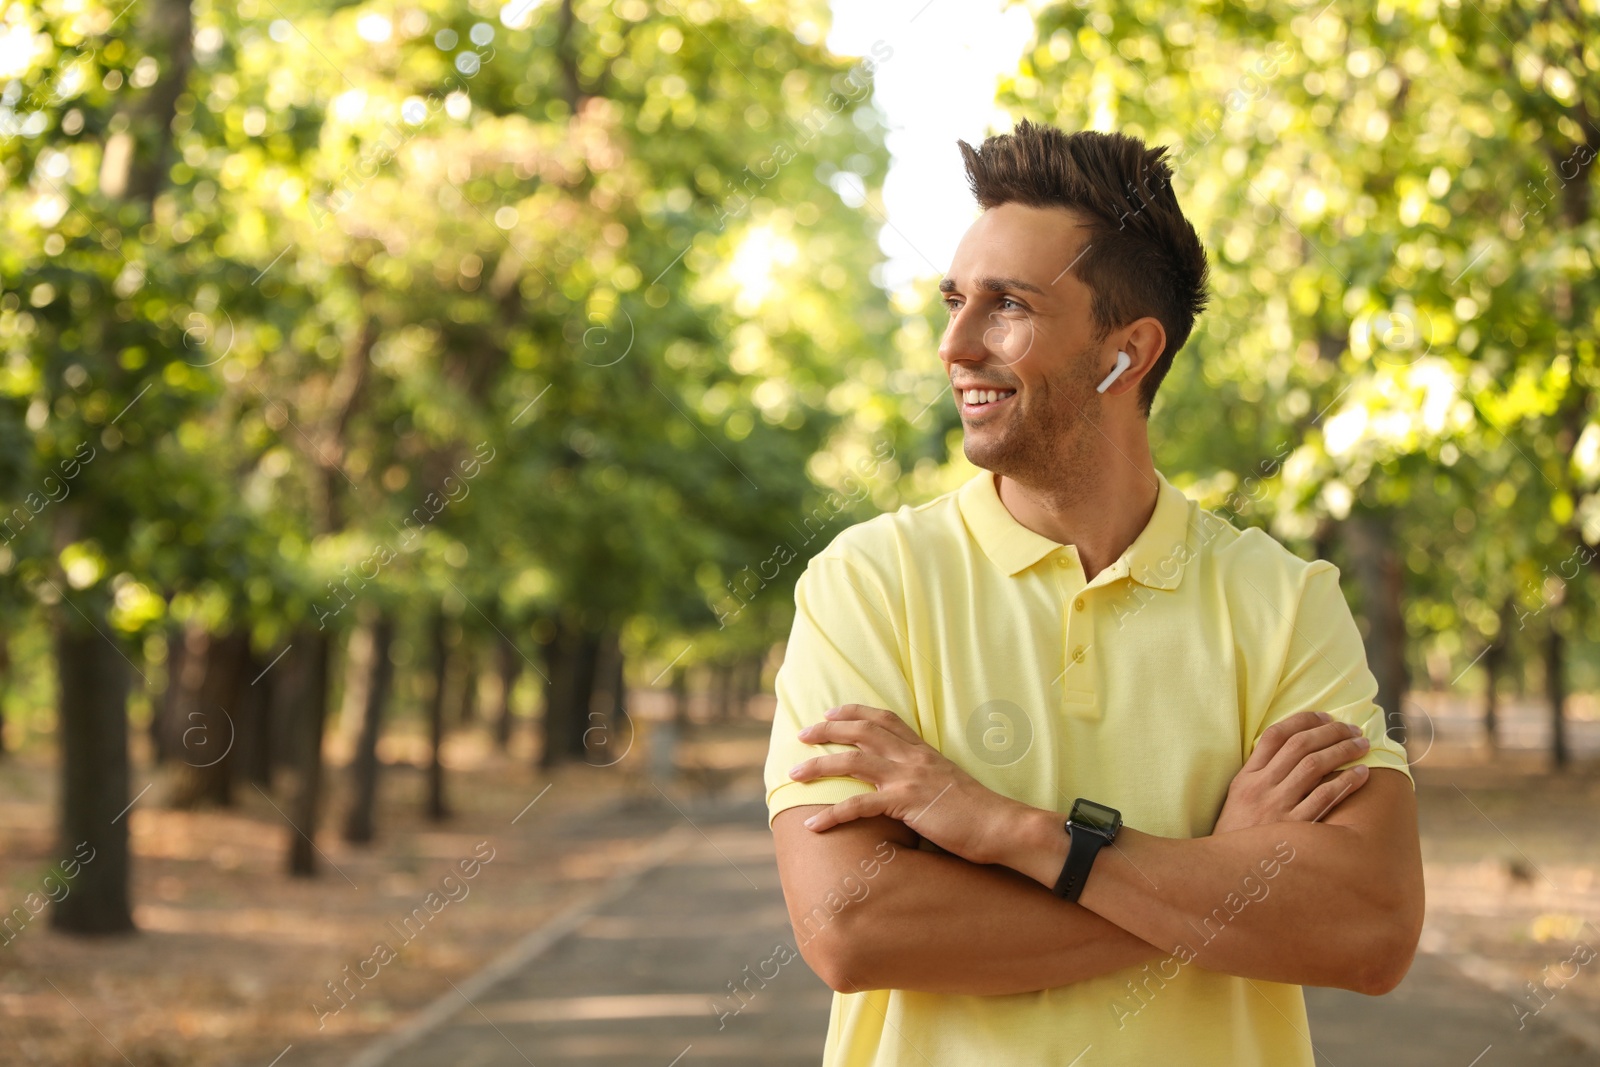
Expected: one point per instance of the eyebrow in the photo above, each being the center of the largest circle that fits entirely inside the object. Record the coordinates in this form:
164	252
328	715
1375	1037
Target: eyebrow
995	285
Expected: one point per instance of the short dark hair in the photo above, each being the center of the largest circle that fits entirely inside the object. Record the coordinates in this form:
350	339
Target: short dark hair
1143	258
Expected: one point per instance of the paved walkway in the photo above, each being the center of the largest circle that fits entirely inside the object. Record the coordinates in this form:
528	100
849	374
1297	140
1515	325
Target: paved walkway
1436	1018
640	980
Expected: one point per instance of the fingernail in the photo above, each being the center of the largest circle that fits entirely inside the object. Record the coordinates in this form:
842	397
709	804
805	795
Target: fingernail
804	731
1363	744
811	821
795	769
1360	769
1324	716
831	713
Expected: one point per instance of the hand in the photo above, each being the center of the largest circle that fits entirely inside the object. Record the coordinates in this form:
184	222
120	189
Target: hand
916	783
1289	777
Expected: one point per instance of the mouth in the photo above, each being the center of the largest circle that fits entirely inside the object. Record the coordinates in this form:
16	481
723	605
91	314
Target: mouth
977	402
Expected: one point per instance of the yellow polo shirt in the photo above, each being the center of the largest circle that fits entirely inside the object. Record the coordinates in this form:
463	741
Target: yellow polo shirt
1145	689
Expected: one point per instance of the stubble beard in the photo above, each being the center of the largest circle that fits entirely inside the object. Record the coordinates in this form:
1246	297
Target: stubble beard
1049	441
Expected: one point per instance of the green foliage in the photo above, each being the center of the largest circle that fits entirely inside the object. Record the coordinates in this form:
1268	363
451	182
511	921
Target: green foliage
537	310
552	310
1398	201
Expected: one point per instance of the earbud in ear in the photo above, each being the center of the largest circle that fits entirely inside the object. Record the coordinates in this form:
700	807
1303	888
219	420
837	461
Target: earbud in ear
1123	363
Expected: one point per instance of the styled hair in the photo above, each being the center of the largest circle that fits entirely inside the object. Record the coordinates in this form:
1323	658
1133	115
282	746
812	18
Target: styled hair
1142	256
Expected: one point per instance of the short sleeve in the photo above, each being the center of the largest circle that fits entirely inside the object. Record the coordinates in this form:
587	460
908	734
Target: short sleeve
844	649
1325	669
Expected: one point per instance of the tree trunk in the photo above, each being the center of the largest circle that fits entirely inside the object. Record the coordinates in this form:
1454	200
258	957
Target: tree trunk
606	729
283	726
166	718
437	810
93	680
313	717
571	656
213	681
1555	685
560	682
91	671
509	664
680	698
465	703
136	158
253	752
1370	538
357	675
1494	662
567	58
5	675
377	675
1324	538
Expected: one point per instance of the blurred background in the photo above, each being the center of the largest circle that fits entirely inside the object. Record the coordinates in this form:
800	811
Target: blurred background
414	417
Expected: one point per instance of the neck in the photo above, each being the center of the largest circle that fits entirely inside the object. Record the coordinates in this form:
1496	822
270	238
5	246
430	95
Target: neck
1099	503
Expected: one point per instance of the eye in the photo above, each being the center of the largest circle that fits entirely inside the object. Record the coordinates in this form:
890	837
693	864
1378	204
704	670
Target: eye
1004	300
952	304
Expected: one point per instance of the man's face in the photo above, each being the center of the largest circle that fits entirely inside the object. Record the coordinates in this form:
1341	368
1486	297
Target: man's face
1020	327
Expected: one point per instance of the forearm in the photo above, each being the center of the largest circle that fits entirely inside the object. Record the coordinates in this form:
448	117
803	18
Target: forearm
1321	920
938	924
1302	903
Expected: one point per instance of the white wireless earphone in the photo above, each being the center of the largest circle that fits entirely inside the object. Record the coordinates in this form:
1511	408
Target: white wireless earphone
1123	363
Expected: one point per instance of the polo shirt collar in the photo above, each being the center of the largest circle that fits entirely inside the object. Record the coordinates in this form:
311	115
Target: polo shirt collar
1155	558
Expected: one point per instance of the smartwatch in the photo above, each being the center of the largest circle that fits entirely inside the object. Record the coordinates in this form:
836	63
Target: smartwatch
1090	827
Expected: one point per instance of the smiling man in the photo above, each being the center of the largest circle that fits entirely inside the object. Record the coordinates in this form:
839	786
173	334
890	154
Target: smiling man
1123	756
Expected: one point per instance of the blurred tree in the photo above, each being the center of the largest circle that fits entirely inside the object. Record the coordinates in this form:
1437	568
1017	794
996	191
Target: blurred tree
367	698
438	662
1348	172
76	375
552	328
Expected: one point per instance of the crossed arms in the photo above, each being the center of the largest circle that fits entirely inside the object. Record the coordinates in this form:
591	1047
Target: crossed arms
1341	907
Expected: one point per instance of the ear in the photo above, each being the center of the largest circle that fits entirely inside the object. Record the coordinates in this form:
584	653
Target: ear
1144	341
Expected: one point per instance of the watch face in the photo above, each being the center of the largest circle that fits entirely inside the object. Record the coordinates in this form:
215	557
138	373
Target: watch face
1096	817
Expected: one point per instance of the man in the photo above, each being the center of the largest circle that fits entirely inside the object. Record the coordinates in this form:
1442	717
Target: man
1069	626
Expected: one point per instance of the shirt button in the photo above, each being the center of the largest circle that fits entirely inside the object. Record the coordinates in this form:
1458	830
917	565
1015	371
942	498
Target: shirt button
1077	654
1078	604
1063	562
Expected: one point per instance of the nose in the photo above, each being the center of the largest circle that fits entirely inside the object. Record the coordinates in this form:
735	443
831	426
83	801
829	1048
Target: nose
963	338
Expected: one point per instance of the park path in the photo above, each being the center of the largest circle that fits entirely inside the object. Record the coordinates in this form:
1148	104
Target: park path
638	976
636	981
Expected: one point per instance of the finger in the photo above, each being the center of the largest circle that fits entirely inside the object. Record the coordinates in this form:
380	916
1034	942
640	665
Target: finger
886	719
860	806
852	764
868	736
1313	767
1330	794
1303	744
1275	735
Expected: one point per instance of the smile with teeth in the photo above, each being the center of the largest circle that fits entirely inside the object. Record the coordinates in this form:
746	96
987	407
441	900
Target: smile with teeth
975	398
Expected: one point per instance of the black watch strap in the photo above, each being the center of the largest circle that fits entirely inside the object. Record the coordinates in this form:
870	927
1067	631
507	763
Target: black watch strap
1083	846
